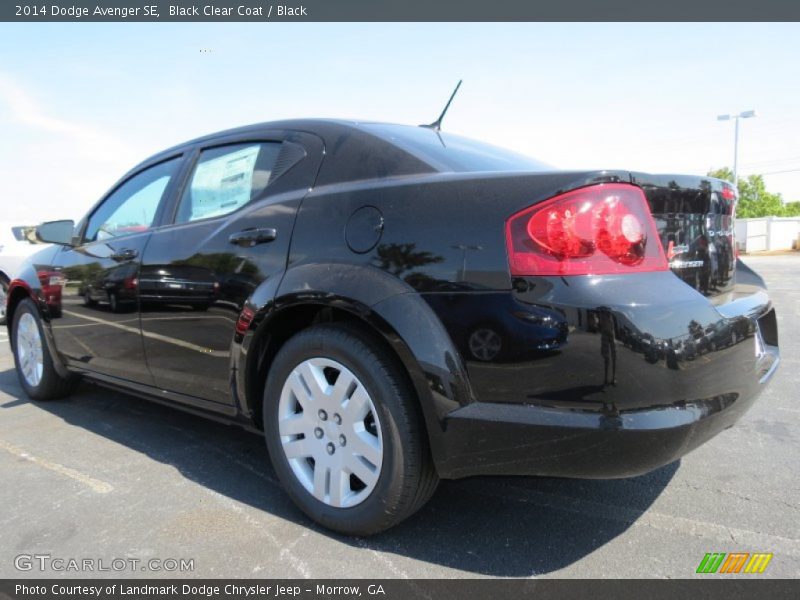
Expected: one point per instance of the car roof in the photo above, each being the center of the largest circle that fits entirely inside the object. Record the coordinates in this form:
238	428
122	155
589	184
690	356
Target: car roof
369	150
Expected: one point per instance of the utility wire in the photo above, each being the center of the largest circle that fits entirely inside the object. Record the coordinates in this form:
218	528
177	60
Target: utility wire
777	172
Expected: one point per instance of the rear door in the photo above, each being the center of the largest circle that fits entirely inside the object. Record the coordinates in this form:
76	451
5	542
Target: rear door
97	326
230	230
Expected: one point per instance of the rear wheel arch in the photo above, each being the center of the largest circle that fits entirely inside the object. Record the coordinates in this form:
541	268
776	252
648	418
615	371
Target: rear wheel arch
282	324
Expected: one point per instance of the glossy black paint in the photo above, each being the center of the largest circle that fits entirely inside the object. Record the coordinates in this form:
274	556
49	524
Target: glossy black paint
98	325
578	376
695	219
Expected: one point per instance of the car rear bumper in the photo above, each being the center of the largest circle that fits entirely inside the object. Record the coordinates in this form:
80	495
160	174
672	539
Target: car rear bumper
506	439
648	372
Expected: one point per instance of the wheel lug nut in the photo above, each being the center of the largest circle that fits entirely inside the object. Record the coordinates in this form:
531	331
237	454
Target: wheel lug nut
318	432
337	419
323	415
331	448
342	440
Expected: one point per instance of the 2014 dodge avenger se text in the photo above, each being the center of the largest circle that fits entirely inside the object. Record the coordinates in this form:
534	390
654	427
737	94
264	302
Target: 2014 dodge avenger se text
392	305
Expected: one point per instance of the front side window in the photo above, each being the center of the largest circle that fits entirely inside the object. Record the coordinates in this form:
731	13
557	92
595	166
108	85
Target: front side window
132	206
226	178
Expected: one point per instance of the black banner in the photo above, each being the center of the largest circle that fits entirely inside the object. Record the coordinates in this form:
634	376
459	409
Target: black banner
398	10
397	589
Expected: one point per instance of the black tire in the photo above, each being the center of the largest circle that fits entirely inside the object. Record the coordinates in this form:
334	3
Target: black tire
3	296
87	298
52	385
113	302
408	477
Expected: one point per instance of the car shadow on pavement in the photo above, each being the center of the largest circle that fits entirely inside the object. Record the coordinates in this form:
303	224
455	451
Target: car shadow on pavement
497	526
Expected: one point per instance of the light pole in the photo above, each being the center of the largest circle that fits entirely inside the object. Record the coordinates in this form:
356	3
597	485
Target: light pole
464	248
742	115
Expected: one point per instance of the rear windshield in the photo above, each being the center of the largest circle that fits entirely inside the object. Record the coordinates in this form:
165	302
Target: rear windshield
448	152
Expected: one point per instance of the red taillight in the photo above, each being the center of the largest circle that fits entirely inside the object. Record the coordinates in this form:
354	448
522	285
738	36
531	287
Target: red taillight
595	230
50	279
728	193
245	318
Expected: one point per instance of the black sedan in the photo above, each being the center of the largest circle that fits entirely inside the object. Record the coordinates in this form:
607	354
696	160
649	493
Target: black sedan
392	305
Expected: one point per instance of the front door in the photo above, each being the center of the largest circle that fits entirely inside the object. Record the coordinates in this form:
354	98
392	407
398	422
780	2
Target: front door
98	328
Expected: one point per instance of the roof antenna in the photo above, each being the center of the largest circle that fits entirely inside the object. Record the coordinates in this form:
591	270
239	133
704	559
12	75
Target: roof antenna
437	124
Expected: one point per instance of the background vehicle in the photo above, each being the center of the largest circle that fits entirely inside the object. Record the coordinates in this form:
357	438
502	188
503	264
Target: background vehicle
195	286
115	286
358	269
14	249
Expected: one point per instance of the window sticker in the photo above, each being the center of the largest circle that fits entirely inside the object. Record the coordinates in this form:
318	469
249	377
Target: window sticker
221	185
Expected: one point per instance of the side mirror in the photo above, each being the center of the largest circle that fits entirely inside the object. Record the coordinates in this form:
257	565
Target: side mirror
56	232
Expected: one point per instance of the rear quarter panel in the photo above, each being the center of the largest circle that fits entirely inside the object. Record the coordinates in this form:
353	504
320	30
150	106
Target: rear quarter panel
440	236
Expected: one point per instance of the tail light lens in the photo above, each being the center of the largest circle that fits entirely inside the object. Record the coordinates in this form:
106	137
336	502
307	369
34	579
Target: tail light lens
595	230
728	193
245	318
50	279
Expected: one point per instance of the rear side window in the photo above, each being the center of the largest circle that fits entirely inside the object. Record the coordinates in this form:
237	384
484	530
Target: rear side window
226	178
132	206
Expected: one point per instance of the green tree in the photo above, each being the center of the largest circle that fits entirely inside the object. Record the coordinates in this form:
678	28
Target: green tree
754	199
399	258
791	209
723	173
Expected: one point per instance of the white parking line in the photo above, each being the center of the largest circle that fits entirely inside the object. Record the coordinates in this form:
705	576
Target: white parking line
177	318
257	525
101	487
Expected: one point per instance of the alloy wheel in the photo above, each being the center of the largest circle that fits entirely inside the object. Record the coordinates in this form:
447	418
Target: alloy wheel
485	344
29	349
330	432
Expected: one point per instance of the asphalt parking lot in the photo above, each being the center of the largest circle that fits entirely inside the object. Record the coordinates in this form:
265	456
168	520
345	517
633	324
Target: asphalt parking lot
106	476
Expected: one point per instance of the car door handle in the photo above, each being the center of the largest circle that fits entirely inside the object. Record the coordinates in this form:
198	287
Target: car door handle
124	254
251	237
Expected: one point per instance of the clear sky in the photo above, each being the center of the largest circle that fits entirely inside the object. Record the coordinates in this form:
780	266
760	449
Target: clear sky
82	103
